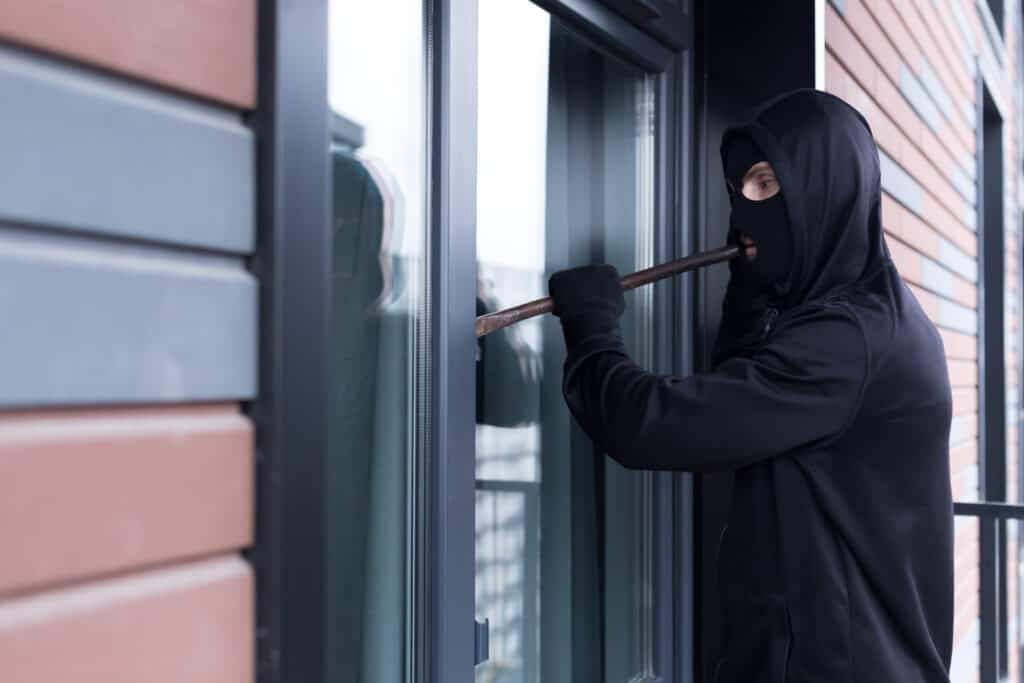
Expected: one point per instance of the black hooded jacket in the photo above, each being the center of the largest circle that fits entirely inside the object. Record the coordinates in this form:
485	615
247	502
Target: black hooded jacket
831	401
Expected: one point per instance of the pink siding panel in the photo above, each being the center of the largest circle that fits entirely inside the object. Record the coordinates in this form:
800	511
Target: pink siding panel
88	492
191	623
963	374
965	401
897	128
959	346
203	47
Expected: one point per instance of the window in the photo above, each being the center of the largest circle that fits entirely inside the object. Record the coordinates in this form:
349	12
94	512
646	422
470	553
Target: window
370	565
564	177
375	358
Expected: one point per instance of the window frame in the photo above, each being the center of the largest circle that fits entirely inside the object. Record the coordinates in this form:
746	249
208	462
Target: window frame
673	236
991	511
292	266
292	263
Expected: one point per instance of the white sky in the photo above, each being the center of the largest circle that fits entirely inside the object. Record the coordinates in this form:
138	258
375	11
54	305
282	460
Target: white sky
512	133
376	78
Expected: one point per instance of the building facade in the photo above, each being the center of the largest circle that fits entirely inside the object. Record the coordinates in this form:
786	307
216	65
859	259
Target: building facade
130	309
246	432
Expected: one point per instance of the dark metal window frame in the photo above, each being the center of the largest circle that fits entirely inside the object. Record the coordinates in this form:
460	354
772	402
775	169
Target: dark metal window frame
292	262
451	148
992	512
991	323
292	265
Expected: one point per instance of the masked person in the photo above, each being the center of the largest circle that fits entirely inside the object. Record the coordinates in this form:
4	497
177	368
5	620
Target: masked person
829	398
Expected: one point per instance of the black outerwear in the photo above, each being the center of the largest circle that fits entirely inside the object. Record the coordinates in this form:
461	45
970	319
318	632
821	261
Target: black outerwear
833	406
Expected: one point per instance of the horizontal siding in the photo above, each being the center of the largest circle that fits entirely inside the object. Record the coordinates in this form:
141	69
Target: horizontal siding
85	152
959	346
873	87
88	492
127	217
950	73
909	36
924	272
93	321
204	47
187	624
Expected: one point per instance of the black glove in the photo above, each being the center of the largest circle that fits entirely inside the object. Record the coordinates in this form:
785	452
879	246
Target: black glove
588	300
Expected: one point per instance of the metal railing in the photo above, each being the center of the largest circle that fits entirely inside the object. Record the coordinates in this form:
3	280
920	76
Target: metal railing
992	518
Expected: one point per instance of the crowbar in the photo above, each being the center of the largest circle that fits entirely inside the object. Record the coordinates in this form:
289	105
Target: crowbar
491	322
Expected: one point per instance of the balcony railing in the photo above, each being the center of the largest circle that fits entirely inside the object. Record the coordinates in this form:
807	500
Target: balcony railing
993	603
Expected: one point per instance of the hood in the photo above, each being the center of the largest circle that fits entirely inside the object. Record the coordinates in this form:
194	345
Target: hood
826	162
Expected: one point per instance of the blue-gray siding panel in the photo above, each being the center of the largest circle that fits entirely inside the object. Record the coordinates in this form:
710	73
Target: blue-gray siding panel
964	184
995	35
86	152
956	260
900	184
959	429
936	278
967	50
919	99
95	321
956	317
934	87
969	216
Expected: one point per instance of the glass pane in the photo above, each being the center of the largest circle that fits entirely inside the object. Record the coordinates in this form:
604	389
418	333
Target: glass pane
564	177
377	155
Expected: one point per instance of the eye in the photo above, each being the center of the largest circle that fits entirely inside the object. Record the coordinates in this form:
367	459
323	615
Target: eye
767	185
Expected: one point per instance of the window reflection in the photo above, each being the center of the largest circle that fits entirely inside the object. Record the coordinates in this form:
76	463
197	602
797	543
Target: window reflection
564	177
378	231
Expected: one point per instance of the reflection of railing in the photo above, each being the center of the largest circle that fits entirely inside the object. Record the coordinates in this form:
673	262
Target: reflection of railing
992	518
507	627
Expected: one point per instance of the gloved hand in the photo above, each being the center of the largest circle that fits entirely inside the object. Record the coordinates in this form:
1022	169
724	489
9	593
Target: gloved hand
588	300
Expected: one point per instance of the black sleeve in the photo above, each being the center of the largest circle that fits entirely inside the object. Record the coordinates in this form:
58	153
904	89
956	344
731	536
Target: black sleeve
800	389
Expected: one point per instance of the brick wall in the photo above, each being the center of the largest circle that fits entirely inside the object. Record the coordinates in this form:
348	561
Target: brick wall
911	66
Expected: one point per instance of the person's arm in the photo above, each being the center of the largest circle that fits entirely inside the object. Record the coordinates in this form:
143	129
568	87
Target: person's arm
801	388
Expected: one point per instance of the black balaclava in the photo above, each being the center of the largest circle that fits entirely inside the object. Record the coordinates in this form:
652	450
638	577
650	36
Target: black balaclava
826	162
765	221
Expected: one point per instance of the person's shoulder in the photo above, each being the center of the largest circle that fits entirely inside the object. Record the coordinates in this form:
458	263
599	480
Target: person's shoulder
822	333
820	317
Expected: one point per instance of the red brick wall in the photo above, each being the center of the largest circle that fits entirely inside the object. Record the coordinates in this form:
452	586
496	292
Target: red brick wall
909	66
